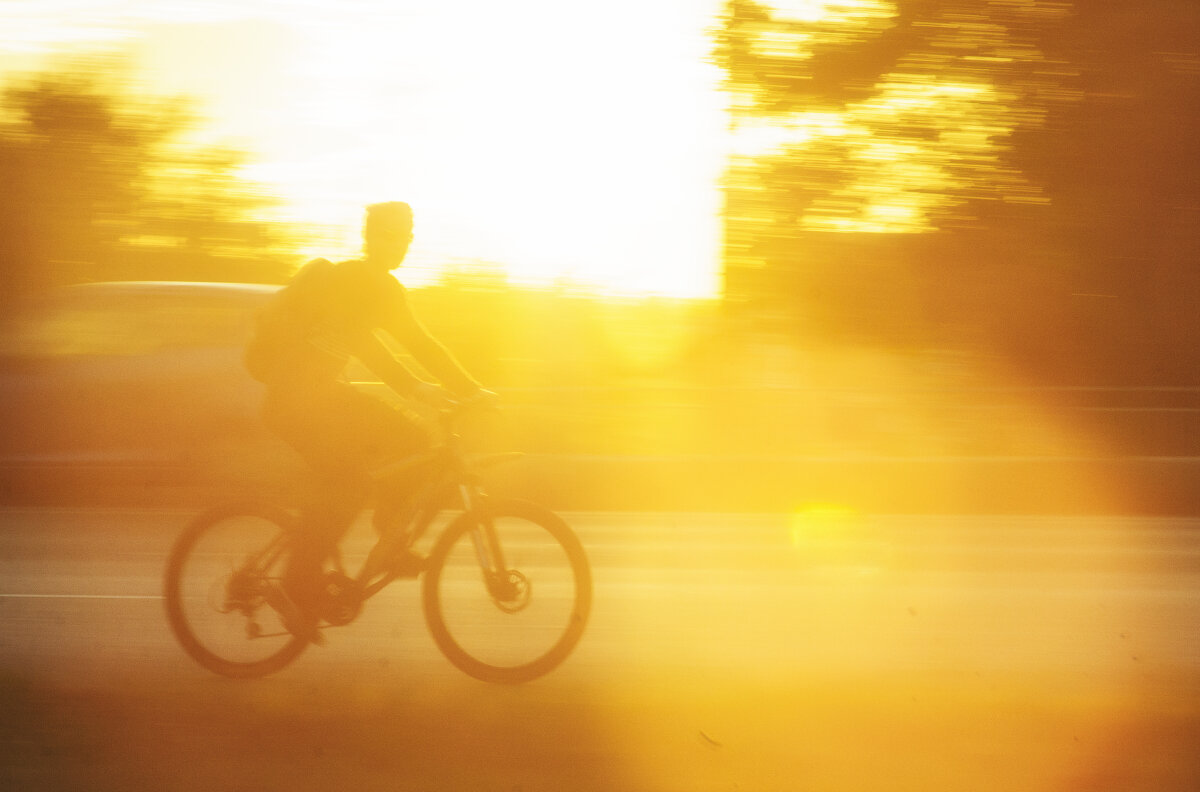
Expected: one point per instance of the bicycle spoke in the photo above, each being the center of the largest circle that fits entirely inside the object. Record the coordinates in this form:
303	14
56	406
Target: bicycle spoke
517	621
218	603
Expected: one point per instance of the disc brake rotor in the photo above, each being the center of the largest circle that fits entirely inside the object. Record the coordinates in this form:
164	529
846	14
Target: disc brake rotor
512	594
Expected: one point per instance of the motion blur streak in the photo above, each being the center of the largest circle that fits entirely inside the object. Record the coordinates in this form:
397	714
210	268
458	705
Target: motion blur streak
1049	654
929	136
918	641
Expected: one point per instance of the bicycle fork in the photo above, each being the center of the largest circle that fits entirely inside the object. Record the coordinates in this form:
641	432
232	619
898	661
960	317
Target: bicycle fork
500	582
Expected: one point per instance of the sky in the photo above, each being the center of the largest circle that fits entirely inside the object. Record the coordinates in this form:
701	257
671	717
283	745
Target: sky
555	139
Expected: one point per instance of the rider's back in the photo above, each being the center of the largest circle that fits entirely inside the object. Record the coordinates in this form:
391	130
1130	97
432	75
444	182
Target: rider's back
308	331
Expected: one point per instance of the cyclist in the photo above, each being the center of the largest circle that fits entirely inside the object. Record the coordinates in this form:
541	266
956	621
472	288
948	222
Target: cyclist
328	313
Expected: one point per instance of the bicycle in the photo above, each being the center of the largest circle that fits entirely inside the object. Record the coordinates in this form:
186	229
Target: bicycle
506	588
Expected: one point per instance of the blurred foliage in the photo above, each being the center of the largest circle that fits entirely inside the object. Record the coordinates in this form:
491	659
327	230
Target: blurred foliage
889	117
1009	176
564	337
100	184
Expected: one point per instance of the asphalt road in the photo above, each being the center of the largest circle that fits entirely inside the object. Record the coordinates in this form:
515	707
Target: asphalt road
817	651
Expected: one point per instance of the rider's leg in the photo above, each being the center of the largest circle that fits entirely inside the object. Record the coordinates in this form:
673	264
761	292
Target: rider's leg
385	434
333	504
341	433
334	488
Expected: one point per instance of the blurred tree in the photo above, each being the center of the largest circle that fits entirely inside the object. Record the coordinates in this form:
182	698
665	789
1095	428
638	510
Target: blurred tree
877	116
196	222
97	186
1026	170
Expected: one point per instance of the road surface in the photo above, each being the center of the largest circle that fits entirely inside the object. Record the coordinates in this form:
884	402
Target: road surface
818	651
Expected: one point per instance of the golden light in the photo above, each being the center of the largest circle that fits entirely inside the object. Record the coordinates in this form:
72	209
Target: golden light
563	143
841	13
520	143
928	133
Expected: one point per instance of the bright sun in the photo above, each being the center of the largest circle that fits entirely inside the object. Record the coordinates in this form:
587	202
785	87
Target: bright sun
559	143
570	142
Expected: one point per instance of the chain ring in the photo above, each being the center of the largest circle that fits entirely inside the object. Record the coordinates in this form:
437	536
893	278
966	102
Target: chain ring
341	599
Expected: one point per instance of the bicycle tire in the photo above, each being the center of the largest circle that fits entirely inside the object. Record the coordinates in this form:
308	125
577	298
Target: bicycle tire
543	551
196	573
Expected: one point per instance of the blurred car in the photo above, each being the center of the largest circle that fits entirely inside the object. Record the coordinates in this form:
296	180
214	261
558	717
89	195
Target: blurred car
132	381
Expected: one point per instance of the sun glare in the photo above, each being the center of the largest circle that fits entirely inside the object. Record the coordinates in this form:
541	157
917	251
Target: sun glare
518	137
561	143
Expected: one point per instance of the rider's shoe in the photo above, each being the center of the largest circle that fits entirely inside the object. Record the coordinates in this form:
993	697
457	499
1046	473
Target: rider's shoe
297	620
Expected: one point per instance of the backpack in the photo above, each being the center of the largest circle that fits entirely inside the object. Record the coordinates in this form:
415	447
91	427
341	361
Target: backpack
281	329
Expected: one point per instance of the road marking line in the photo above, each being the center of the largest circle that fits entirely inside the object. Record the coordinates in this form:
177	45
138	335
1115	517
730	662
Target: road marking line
83	596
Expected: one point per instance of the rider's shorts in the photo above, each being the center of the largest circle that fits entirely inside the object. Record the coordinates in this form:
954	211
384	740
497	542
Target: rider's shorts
342	432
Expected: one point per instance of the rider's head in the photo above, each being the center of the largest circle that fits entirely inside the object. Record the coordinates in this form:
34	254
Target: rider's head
387	232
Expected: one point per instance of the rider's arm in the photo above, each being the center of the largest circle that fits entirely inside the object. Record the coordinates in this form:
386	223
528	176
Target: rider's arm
375	355
437	360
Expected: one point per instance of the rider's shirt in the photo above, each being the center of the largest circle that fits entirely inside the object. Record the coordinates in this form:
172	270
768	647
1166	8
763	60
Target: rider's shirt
332	312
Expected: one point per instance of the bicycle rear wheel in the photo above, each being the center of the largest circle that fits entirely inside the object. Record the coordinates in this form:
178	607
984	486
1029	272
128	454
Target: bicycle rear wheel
515	620
221	577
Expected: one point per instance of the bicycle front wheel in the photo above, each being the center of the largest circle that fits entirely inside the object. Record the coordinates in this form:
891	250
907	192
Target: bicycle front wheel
507	591
221	579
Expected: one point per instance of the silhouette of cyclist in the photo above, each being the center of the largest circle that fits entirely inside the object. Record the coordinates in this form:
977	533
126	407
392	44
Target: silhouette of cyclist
326	315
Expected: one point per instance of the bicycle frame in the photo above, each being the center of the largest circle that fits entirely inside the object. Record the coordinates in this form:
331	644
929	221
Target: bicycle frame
450	472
